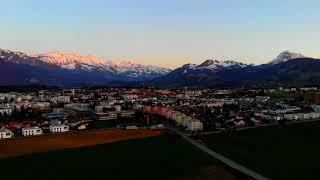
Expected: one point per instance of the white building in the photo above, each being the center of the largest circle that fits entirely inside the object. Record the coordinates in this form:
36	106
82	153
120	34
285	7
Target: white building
291	117
5	134
31	131
61	99
302	116
59	128
5	109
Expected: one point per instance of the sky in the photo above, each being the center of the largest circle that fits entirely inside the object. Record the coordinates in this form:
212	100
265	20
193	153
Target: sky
167	33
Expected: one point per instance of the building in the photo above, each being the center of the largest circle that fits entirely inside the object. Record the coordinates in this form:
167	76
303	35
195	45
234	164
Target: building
316	108
59	128
194	125
78	110
6	134
31	131
127	113
5	109
55	115
103	116
41	106
61	99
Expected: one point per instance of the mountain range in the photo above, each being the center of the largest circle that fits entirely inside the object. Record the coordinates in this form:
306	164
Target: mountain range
73	70
287	69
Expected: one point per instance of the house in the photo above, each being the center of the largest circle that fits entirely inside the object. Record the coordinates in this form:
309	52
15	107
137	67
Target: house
6	134
194	125
82	127
291	117
316	108
5	109
31	131
59	128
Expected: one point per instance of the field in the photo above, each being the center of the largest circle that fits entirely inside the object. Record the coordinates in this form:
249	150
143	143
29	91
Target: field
290	152
29	145
306	96
105	124
158	157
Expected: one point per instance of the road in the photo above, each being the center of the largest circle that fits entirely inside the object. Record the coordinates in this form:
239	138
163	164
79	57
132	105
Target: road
218	156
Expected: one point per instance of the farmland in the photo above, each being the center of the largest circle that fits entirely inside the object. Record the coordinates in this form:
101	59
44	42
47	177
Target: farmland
281	152
29	145
158	157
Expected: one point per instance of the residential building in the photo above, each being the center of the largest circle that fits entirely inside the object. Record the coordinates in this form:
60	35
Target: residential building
59	128
5	109
31	131
6	134
194	125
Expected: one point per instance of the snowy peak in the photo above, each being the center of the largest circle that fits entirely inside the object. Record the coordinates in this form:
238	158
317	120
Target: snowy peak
214	65
285	56
68	58
209	62
75	62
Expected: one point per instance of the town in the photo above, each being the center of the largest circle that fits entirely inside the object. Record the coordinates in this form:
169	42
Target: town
193	111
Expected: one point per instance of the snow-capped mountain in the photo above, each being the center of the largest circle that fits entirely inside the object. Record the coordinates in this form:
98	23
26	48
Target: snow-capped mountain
84	62
285	56
287	69
215	65
71	69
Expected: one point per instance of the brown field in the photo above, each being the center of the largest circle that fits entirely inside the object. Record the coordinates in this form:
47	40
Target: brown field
29	145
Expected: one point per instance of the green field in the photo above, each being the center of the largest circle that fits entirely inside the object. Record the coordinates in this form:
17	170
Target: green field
162	157
282	152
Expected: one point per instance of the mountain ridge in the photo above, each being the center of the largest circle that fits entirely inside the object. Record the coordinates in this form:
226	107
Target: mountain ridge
74	70
77	70
284	71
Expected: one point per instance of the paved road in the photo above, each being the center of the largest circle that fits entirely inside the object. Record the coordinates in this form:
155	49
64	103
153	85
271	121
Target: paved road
218	156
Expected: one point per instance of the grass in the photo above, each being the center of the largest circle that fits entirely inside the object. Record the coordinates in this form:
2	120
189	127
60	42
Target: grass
105	124
284	96
291	96
161	157
290	152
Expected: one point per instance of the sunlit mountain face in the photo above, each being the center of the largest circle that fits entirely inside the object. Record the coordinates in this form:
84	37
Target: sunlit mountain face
61	69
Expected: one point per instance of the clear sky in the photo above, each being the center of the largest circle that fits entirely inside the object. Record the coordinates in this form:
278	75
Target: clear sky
163	32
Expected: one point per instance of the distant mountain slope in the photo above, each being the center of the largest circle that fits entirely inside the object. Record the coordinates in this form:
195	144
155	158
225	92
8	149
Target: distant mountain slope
280	71
69	70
